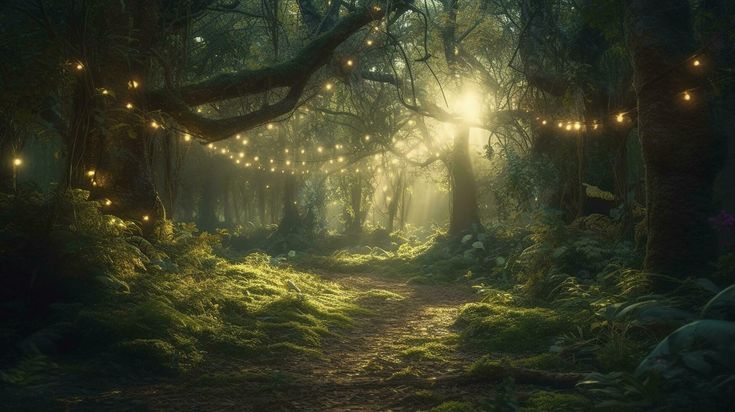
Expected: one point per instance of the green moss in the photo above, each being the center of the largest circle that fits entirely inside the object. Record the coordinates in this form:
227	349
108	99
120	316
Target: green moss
510	329
425	351
455	406
149	354
544	401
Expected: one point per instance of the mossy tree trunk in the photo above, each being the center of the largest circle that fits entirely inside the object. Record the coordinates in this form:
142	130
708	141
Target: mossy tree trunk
676	138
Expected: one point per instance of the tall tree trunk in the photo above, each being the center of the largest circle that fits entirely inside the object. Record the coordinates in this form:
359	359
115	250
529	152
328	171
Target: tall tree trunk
106	144
676	138
463	210
354	222
290	220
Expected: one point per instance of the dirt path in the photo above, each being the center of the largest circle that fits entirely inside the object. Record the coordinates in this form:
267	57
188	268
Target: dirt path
364	370
367	368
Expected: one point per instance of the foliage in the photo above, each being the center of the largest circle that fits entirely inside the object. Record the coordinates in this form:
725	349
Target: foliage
163	306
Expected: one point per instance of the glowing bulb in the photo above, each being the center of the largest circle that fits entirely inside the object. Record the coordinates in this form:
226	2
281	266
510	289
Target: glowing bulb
543	122
108	202
79	67
245	142
271	161
569	126
273	169
328	86
367	137
620	118
350	62
154	124
340	159
133	84
285	150
696	63
256	158
303	151
223	150
560	124
577	126
369	42
319	149
270	126
288	163
199	109
105	92
242	154
91	173
376	8
411	122
129	106
17	161
237	161
687	96
211	146
187	137
247	164
146	218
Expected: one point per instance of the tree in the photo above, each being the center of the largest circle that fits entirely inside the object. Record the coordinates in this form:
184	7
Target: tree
675	135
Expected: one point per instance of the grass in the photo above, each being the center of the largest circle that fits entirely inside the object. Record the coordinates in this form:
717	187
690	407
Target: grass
511	329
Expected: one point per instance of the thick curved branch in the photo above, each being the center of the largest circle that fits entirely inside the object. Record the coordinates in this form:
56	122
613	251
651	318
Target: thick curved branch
286	74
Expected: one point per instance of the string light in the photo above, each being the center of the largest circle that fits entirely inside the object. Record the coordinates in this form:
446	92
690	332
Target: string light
146	218
369	42
154	124
367	137
129	106
133	84
79	66
270	126
687	96
620	118
350	63
696	63
187	137
17	161
108	202
328	86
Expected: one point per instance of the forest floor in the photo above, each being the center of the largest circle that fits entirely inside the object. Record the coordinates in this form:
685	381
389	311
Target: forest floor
393	358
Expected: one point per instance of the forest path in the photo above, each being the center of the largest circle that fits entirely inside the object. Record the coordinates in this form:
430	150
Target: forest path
377	365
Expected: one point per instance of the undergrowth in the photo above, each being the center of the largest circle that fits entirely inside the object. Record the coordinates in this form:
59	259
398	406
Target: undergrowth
112	296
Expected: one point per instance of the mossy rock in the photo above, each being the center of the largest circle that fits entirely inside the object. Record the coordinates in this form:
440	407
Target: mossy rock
545	401
149	354
510	329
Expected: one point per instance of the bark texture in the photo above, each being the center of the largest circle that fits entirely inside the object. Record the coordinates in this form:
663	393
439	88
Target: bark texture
676	138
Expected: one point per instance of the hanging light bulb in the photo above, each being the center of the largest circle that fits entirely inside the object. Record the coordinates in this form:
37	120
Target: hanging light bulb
17	162
369	42
154	124
577	126
328	86
129	106
543	122
133	84
187	137
79	66
108	202
687	96
696	63
620	118
146	218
